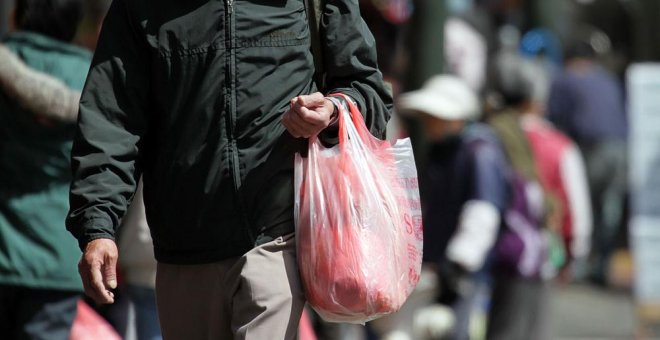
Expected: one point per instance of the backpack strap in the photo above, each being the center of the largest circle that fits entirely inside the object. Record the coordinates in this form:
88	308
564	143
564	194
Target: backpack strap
519	152
314	12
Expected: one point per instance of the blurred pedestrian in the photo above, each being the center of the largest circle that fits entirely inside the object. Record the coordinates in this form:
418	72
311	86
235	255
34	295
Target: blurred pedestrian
467	178
209	101
529	252
586	102
39	284
561	171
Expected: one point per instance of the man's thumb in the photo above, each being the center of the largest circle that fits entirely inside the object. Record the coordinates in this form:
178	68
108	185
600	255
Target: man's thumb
110	272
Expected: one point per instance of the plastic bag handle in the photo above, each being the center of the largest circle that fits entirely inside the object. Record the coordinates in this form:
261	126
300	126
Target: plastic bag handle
356	118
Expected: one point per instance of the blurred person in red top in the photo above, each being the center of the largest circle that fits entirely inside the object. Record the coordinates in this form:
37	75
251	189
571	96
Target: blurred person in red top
562	173
558	160
541	154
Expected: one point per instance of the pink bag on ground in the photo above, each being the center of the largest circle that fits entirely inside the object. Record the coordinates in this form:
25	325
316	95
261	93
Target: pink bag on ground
358	223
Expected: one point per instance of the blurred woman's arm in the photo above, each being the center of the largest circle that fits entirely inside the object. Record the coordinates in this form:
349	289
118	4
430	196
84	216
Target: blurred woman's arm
37	92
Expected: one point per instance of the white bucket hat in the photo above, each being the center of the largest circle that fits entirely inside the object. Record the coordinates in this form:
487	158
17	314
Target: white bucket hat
444	96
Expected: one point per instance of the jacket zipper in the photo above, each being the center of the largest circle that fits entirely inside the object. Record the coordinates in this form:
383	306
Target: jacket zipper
230	82
231	107
231	110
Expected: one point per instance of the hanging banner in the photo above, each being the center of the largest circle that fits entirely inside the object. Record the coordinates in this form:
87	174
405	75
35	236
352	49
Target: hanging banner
643	85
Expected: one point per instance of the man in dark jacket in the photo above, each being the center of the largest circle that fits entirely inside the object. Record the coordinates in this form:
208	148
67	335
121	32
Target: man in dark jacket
209	101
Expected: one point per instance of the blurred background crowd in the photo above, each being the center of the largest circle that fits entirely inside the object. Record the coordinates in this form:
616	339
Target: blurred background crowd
518	111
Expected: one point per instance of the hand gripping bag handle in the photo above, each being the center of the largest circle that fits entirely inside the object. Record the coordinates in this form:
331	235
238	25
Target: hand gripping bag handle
366	147
358	123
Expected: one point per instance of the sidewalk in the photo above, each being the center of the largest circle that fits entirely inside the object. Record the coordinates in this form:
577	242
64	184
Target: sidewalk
583	312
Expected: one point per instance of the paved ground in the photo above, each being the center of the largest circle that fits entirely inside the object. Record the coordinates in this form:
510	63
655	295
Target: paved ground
580	312
584	312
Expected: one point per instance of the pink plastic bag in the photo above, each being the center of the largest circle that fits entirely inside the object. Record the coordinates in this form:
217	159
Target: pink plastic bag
306	329
358	223
90	325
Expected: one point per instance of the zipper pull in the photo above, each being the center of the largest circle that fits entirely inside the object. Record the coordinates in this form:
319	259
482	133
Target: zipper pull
230	4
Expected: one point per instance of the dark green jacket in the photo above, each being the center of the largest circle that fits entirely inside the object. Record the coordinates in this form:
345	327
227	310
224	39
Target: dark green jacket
190	94
35	249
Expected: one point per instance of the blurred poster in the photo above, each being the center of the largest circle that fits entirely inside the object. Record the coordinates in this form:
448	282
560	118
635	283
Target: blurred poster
644	113
646	249
643	82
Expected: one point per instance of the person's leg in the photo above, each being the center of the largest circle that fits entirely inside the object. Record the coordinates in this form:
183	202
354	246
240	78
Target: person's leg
598	176
539	325
464	310
45	314
607	172
146	313
8	295
269	299
192	301
508	311
614	195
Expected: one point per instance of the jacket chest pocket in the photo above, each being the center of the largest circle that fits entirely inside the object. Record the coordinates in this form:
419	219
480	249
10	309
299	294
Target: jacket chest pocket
270	23
193	29
189	67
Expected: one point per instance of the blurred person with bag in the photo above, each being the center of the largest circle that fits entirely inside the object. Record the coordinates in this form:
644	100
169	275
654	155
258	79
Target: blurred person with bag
39	284
587	103
209	101
561	170
467	177
530	250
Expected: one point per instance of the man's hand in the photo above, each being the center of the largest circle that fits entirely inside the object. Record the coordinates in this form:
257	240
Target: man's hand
308	115
98	270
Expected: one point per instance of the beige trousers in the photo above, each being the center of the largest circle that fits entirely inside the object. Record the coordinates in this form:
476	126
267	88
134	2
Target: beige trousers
257	296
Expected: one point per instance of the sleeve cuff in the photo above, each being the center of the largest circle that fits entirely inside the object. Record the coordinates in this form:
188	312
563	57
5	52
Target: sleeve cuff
94	229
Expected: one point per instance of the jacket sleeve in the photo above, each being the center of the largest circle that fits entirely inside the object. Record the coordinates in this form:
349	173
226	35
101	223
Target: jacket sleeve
350	65
111	125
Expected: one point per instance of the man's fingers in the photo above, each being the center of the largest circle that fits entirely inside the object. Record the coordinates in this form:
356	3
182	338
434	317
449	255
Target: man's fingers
100	293
86	281
306	128
308	117
291	126
98	269
313	100
302	119
110	272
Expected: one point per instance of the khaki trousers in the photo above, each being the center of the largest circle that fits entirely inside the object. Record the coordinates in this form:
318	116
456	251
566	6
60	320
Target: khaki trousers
257	296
